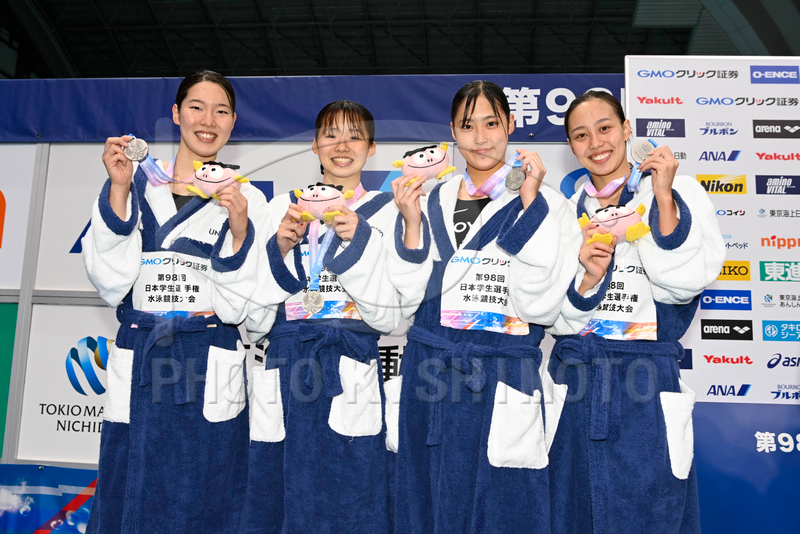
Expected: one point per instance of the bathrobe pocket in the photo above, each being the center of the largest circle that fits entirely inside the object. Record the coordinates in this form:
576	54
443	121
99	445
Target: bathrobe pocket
266	407
225	395
357	410
516	435
677	408
119	374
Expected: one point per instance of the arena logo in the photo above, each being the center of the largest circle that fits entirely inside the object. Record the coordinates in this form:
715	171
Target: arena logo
723	184
673	100
714	101
88	357
776	129
725	299
779	242
728	360
774	74
720	390
794	156
778	359
777	185
710	155
730	213
661	127
726	329
735	271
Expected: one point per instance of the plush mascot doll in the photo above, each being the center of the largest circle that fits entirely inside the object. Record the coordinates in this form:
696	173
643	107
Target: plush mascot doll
427	162
316	198
620	221
211	176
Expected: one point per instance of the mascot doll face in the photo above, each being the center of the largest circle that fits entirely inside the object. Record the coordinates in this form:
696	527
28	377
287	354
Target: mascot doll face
315	199
617	219
211	176
428	162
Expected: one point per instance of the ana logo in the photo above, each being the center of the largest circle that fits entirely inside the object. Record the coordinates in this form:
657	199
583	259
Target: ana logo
766	156
656	74
723	184
726	329
88	356
778	359
776	129
718	128
714	101
659	100
739	360
777	185
780	271
660	128
779	74
721	299
728	391
710	155
780	242
730	213
735	270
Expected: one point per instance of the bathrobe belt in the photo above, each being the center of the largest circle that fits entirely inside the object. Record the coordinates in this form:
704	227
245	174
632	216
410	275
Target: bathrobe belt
326	345
465	358
594	350
163	333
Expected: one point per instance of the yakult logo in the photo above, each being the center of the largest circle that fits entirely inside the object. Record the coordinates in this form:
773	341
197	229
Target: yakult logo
776	74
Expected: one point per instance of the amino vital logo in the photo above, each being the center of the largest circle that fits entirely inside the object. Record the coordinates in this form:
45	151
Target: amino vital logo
735	270
718	390
660	128
88	355
779	242
711	155
776	74
723	184
777	185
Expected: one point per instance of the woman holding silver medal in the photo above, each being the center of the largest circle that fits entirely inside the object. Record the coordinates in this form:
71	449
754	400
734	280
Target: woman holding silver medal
481	267
622	459
173	453
318	461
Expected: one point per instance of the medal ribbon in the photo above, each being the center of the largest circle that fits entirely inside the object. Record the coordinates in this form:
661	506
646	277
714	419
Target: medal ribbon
494	186
316	253
608	190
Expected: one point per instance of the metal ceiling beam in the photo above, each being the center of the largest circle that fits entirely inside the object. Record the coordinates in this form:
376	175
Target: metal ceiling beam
53	52
264	37
221	52
110	34
163	36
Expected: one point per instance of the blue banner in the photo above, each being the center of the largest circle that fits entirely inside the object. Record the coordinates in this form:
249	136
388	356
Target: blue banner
406	108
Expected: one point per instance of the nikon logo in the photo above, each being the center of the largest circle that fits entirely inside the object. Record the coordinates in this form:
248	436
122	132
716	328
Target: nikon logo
723	184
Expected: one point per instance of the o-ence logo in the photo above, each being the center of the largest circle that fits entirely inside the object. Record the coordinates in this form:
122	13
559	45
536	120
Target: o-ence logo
711	155
726	329
776	129
735	270
779	242
660	128
777	185
778	359
777	74
88	356
723	184
718	390
722	299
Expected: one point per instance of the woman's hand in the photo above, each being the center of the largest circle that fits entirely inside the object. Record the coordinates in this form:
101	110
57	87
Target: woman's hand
595	257
407	200
663	167
236	202
120	171
291	230
534	174
345	224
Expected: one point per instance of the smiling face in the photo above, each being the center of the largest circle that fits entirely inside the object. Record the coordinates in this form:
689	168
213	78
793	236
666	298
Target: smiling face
597	138
343	149
317	198
617	219
482	139
205	119
209	178
427	162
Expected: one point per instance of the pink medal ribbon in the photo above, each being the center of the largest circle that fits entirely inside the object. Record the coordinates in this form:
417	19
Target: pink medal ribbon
494	186
608	190
358	192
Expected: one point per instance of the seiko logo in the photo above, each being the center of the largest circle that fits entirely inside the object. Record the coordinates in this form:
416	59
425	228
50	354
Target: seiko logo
735	270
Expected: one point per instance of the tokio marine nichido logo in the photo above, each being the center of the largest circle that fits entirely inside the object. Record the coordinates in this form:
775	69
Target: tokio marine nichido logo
88	357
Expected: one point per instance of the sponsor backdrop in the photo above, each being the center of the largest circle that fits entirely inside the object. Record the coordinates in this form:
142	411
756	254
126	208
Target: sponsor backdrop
15	198
8	325
734	124
65	379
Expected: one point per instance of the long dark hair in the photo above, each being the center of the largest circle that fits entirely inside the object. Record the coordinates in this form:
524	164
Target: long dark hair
608	98
206	76
352	112
470	92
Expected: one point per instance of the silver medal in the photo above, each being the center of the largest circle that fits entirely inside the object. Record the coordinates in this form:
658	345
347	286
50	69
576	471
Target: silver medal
640	150
313	302
514	179
136	150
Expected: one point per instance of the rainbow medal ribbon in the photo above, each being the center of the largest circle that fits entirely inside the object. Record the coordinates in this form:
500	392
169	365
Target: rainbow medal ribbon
313	302
640	150
494	186
137	150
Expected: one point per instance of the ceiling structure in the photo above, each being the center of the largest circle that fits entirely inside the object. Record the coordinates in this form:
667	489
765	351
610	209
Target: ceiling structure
136	38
